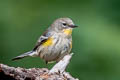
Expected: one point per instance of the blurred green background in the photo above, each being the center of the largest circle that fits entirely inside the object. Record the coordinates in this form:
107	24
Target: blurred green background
96	43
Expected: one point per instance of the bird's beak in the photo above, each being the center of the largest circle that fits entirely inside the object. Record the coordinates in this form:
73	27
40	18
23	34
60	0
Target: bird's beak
73	26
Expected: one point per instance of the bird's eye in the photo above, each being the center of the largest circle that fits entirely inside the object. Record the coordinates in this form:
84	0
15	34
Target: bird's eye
64	24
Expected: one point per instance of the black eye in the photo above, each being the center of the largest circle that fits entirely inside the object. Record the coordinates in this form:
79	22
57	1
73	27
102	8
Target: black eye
64	24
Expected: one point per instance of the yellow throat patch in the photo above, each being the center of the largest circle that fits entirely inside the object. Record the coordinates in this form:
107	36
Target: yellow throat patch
48	42
67	31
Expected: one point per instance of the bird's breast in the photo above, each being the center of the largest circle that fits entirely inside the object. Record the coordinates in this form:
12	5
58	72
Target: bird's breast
55	46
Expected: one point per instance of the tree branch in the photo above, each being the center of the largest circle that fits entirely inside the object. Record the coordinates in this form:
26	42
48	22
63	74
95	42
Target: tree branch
56	73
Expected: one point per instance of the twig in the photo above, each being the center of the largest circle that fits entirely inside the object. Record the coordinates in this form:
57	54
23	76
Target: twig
62	64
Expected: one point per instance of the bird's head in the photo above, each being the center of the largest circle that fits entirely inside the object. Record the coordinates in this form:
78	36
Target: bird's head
64	25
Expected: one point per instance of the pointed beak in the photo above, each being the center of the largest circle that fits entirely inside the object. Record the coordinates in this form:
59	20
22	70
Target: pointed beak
73	26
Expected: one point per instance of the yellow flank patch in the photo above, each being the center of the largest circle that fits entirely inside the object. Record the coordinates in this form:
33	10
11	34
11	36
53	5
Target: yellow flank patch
48	42
68	31
71	45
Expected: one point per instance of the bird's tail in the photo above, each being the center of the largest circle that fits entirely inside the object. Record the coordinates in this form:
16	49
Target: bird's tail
23	55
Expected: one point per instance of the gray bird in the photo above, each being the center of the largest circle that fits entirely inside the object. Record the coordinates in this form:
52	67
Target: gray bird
55	43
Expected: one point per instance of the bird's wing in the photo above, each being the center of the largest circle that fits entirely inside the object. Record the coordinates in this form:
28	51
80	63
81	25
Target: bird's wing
43	38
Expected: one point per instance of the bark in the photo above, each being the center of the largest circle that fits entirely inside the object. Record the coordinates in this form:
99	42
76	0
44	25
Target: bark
56	73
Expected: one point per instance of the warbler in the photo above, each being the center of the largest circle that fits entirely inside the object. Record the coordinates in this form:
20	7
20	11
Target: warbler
55	43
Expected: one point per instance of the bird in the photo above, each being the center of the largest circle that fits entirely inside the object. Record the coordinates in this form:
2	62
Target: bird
54	43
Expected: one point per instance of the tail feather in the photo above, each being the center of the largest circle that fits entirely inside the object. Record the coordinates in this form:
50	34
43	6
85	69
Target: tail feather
22	56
